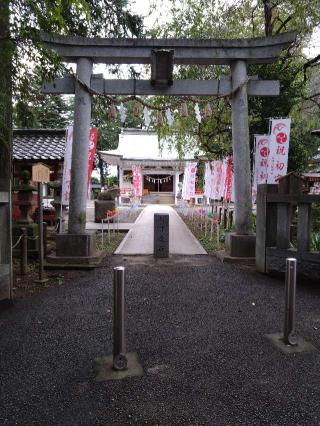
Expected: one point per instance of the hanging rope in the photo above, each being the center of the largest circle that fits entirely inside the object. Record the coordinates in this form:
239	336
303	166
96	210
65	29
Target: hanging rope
160	180
149	105
17	242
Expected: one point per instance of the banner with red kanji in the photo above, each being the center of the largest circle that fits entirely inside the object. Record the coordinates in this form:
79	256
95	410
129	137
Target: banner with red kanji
228	193
137	181
279	148
66	179
260	162
93	140
219	179
189	180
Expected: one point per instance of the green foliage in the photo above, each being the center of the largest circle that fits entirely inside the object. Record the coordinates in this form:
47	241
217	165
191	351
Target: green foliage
112	181
247	18
109	129
315	218
315	241
32	64
94	180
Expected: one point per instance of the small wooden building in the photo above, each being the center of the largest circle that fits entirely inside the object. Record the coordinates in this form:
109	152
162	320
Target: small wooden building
32	146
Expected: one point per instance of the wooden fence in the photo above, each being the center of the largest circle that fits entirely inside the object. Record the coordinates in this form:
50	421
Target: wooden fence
274	243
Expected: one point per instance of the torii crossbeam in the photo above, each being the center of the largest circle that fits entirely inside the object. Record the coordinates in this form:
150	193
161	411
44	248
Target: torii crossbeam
162	54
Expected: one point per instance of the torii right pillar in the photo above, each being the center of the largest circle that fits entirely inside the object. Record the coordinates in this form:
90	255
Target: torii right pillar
241	243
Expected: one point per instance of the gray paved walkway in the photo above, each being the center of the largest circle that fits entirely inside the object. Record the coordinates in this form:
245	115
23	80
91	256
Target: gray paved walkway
198	326
139	239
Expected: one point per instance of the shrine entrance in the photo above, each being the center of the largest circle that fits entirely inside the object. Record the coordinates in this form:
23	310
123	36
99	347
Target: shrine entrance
158	183
162	55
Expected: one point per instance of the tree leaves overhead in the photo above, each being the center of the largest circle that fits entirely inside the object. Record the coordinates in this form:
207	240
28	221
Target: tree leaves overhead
248	18
103	18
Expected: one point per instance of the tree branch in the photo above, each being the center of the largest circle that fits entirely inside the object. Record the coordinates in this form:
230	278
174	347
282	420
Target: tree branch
284	23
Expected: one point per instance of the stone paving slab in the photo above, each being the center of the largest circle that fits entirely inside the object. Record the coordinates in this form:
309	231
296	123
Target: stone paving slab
139	240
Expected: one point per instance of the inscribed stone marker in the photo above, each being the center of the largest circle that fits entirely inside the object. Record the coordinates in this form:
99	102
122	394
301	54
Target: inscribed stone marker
161	235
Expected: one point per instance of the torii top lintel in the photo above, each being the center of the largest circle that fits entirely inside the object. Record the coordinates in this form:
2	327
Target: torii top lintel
260	50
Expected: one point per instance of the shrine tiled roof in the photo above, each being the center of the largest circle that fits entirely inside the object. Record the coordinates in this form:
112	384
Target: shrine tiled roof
38	144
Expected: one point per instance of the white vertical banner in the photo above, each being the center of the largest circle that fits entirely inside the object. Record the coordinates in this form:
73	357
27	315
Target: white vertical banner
279	149
189	180
66	179
223	178
208	179
261	163
217	179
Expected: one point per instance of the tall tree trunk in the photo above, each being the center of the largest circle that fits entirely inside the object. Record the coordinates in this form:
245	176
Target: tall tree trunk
268	24
5	151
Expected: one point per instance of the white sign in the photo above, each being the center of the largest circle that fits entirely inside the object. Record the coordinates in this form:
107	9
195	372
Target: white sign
189	180
279	148
66	180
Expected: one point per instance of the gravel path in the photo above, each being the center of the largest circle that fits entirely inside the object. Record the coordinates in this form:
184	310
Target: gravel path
198	326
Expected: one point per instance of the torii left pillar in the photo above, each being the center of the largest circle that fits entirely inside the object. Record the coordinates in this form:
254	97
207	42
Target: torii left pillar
241	243
77	243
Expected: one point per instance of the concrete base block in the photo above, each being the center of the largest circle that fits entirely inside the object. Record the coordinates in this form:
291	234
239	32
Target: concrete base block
4	281
74	245
240	245
302	345
226	258
80	262
104	371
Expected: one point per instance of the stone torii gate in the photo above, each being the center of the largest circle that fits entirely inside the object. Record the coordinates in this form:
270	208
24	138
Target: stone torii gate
162	54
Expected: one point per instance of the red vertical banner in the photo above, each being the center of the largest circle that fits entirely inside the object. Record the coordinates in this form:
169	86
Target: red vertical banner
93	140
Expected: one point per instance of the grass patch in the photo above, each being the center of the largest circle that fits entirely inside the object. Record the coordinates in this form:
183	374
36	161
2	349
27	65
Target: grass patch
109	247
210	244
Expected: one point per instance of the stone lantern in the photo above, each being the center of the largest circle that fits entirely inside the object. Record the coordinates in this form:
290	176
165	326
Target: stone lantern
25	202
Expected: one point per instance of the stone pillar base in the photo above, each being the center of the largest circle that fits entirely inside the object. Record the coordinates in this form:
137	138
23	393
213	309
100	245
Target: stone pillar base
75	251
240	245
75	245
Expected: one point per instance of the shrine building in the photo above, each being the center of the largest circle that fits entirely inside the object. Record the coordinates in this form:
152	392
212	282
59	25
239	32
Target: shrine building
161	167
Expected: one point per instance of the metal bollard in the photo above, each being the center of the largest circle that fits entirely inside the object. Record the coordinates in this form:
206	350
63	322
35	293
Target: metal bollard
119	339
24	252
289	337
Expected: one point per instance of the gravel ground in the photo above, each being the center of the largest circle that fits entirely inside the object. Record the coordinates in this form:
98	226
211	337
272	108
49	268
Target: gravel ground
198	326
